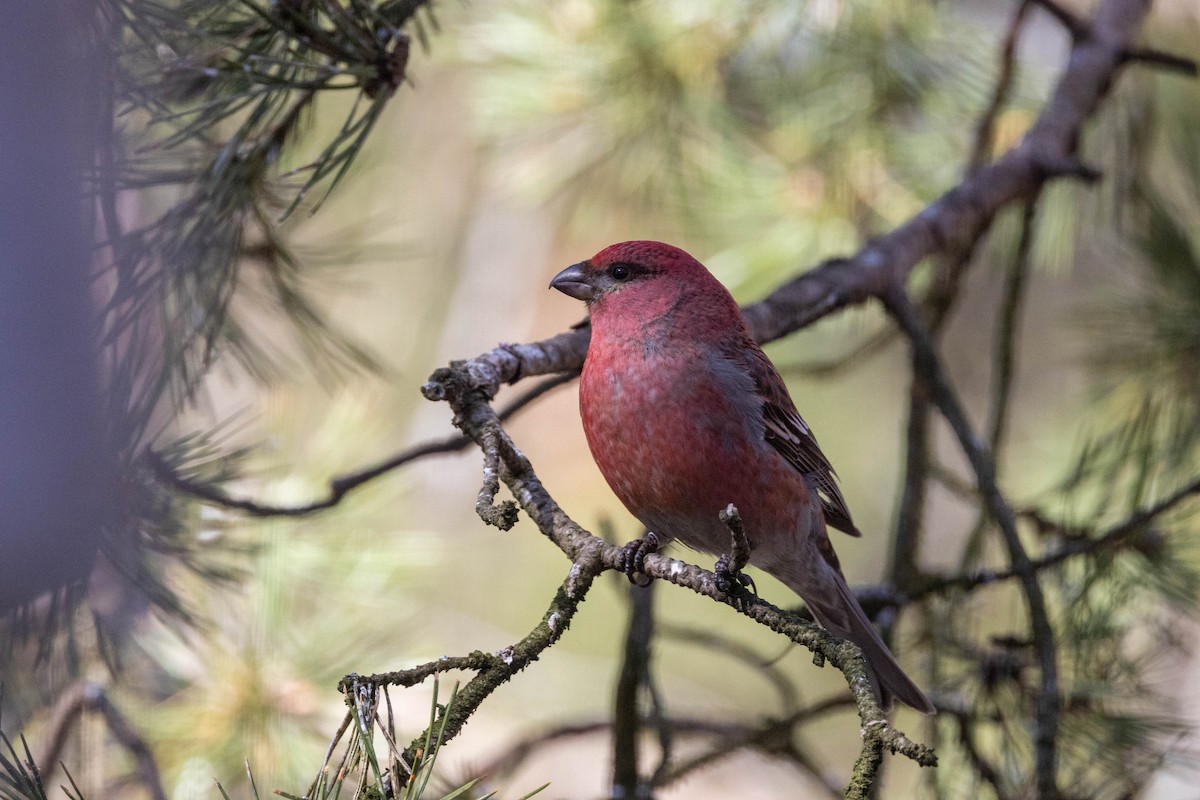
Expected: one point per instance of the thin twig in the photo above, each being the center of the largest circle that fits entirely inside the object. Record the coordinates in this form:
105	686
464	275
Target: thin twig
985	129
503	516
84	697
1069	20
713	643
904	574
966	738
1158	58
732	738
1004	357
944	397
1008	326
635	673
775	737
341	486
1120	535
829	368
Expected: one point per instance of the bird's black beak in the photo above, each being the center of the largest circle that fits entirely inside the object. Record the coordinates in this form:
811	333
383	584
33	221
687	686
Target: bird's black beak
573	282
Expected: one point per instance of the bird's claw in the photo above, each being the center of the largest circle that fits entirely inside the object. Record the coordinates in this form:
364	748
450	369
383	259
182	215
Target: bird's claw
731	580
632	559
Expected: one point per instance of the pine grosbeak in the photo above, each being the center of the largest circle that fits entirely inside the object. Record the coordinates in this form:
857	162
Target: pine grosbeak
685	414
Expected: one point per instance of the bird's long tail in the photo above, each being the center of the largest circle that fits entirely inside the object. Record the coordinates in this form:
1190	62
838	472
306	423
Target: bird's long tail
840	614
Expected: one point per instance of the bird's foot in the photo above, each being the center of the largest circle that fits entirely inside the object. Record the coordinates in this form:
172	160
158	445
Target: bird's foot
730	579
632	559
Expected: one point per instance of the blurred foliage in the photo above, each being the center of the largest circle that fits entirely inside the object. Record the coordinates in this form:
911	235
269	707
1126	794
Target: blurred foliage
202	156
252	683
1146	331
771	134
209	104
1123	610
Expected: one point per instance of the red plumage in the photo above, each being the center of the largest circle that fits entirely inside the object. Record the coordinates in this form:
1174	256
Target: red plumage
685	414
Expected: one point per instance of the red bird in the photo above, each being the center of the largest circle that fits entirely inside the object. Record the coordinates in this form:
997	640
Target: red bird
685	414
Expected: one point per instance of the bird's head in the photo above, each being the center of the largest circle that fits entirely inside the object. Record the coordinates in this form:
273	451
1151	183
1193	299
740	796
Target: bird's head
639	272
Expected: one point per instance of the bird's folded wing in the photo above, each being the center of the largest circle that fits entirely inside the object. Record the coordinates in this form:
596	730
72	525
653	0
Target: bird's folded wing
788	433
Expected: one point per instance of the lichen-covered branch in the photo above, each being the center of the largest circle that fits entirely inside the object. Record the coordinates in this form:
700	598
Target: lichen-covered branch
591	555
492	670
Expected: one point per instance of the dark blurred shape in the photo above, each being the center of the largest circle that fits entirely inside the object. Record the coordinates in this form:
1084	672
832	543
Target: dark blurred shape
56	484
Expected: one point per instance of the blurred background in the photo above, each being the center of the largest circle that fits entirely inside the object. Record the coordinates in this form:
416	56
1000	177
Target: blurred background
763	137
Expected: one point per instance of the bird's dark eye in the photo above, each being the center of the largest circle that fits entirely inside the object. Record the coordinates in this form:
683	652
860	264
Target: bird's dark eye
619	272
